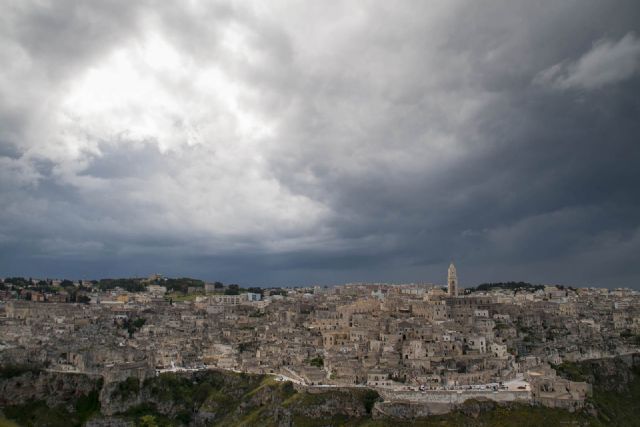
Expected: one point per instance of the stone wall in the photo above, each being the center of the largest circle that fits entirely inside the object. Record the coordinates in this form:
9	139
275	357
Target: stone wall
408	410
453	398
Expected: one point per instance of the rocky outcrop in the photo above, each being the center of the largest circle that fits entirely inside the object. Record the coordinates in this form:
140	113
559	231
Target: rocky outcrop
407	411
109	422
346	402
474	407
117	397
52	387
610	374
410	411
215	397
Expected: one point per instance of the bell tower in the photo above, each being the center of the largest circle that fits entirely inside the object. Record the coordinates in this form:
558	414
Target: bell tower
452	281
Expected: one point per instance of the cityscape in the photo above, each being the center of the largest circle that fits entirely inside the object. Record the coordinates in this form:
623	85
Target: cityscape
330	213
419	349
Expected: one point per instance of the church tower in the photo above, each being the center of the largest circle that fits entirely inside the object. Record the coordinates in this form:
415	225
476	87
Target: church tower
452	281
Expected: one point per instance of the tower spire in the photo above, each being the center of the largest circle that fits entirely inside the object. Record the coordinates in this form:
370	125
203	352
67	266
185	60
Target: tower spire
452	281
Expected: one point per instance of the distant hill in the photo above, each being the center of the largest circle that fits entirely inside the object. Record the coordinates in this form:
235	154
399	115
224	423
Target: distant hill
514	286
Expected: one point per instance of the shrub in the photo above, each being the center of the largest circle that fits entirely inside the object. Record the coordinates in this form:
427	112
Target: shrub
317	361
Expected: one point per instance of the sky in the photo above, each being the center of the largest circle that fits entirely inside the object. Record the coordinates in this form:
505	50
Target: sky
294	143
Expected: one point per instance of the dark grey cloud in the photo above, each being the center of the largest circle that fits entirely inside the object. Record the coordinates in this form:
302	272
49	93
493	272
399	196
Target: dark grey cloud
282	144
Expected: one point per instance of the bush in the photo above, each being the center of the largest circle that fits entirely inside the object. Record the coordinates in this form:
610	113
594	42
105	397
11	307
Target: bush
369	398
37	413
10	371
317	361
88	405
183	284
232	290
126	388
130	285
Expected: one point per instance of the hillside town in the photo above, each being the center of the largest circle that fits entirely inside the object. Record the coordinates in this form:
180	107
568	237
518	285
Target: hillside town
410	342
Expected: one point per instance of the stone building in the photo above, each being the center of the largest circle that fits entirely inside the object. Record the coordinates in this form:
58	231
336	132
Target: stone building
452	281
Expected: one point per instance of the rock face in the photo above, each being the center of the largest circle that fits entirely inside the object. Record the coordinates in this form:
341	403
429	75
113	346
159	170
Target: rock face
611	374
213	397
109	422
473	408
345	402
409	411
119	397
53	388
405	411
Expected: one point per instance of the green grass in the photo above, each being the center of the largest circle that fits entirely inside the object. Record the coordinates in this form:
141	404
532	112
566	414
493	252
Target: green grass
147	415
269	382
7	423
37	413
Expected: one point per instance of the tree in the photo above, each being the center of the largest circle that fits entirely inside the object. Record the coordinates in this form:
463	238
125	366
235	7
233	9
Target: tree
232	290
130	285
183	284
133	325
317	361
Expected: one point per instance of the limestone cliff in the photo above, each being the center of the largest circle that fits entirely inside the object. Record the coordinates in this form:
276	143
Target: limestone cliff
53	388
32	397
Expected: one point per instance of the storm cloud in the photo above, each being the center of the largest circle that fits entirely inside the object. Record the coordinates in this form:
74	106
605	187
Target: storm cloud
288	143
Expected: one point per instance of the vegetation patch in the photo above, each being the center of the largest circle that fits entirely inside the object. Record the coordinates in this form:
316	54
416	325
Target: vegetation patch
88	405
572	371
126	388
10	371
317	361
7	423
37	413
147	415
512	286
229	399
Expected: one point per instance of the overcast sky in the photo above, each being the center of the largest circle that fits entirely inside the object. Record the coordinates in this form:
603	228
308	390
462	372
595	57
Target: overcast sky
321	142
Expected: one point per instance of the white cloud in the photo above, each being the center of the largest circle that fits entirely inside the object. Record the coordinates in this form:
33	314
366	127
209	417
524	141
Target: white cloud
201	118
608	62
228	109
